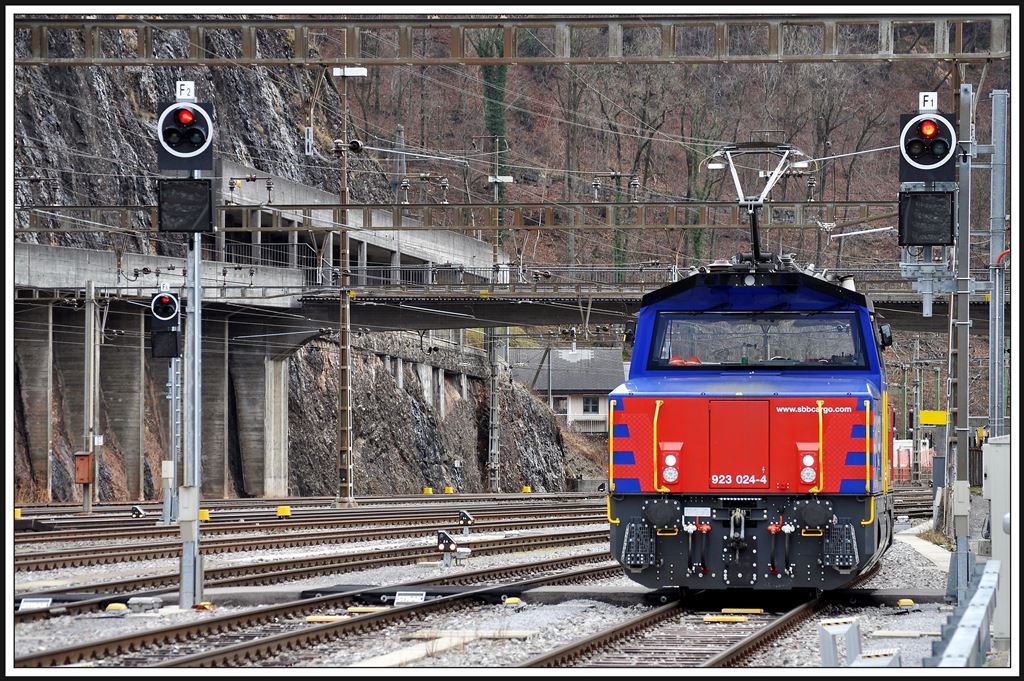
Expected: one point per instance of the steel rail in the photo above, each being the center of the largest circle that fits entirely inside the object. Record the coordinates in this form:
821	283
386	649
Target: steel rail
180	633
274	524
251	651
290	569
69	558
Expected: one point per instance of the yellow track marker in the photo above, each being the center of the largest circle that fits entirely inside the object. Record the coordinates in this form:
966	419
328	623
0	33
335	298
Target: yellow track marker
315	619
359	609
725	618
742	611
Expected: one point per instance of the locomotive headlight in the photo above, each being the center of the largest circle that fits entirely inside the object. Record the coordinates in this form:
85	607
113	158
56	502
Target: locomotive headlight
808	474
808	460
670	460
670	474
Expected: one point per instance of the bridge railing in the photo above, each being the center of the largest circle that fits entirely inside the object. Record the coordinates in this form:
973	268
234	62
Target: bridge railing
513	276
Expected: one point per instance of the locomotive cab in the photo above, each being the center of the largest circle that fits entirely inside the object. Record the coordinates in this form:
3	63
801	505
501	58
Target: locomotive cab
749	446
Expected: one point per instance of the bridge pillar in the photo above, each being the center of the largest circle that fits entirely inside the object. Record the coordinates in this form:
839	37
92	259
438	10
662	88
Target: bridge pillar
275	430
361	263
400	372
462	385
396	267
261	405
33	353
425	372
327	262
256	221
439	401
68	336
293	249
122	378
215	475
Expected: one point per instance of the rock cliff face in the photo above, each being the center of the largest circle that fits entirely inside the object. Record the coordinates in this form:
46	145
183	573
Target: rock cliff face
88	134
400	441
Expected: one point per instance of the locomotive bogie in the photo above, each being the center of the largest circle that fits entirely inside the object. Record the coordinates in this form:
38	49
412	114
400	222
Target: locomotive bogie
741	542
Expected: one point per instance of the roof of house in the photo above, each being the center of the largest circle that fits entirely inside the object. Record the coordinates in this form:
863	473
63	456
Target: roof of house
585	370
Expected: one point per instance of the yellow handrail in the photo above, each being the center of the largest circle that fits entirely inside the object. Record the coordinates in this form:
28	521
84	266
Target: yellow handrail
867	460
871	518
611	460
613	521
885	442
654	448
821	439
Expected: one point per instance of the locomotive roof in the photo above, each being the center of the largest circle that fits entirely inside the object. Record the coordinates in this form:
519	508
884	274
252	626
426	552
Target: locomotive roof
738	279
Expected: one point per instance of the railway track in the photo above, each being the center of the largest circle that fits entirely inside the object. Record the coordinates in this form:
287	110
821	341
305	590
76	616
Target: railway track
69	558
258	633
272	572
266	521
914	502
104	510
674	635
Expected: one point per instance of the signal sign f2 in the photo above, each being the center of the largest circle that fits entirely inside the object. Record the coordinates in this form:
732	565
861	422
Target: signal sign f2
184	135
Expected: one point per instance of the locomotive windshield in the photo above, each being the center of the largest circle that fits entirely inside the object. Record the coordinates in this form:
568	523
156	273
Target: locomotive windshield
749	340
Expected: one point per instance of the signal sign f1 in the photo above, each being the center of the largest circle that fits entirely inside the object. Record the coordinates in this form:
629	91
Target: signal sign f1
928	147
184	131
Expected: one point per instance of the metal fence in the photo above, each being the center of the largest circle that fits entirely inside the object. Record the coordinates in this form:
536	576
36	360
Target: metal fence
966	638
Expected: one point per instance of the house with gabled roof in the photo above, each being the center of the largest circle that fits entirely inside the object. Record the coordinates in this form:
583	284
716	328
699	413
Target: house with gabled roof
576	382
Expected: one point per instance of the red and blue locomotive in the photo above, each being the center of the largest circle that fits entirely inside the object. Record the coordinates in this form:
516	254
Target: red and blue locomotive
749	446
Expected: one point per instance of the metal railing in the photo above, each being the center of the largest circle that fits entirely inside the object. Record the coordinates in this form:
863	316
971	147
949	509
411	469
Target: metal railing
966	638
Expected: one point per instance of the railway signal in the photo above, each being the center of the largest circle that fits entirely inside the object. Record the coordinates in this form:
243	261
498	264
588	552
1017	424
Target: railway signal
165	324
185	133
927	147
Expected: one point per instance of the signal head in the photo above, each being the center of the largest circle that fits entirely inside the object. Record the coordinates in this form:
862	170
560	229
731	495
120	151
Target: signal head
165	306
185	134
926	145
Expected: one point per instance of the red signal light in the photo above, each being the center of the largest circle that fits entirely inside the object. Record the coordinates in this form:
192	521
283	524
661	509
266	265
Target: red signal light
929	128
185	117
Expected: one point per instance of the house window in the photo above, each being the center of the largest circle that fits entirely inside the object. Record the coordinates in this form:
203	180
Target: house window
590	405
559	404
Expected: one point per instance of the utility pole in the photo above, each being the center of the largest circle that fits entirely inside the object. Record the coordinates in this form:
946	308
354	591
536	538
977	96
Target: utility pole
915	462
88	418
191	589
400	185
493	480
344	497
613	217
960	561
491	335
169	467
906	421
997	244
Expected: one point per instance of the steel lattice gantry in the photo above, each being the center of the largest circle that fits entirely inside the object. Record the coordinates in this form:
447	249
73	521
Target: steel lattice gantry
681	39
